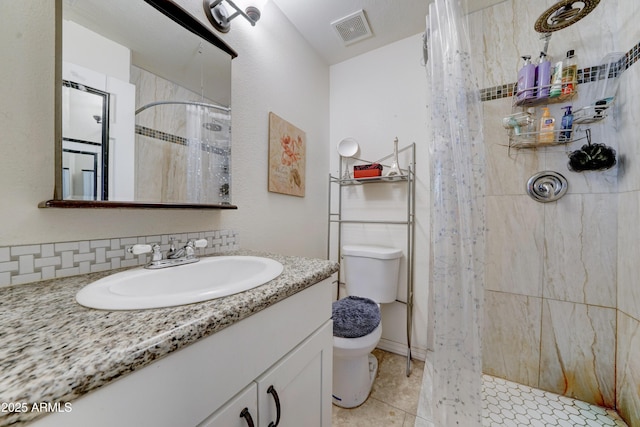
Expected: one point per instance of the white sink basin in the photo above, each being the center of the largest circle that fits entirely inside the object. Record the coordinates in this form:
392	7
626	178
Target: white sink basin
206	279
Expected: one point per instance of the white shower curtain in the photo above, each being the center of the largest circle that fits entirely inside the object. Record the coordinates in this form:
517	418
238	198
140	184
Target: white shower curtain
208	152
457	221
194	153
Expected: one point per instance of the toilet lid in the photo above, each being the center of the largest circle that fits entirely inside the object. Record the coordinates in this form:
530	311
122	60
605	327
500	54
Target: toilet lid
354	317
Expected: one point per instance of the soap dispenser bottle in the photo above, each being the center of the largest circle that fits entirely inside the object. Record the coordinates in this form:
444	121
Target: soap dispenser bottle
526	80
543	77
567	124
546	133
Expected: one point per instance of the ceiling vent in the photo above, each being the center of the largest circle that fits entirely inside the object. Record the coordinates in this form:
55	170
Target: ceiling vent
352	28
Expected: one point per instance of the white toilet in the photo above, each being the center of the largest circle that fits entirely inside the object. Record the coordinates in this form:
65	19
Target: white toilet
371	278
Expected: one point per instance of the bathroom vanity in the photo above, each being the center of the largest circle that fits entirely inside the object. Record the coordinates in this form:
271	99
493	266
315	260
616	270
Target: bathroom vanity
247	359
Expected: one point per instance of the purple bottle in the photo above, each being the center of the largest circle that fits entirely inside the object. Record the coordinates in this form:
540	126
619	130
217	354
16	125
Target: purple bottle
526	80
543	77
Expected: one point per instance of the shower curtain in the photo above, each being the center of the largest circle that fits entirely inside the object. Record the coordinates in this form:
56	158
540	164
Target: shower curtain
208	153
457	221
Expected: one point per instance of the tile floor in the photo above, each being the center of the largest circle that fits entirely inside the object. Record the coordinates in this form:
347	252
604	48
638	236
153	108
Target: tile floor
394	402
510	404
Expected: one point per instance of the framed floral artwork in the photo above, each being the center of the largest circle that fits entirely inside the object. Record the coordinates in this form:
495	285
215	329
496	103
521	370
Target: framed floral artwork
287	158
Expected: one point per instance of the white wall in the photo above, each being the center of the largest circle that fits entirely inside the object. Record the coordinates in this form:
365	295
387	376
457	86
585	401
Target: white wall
275	71
374	98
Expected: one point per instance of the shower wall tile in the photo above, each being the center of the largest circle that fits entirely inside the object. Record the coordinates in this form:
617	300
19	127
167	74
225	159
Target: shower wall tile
511	337
506	39
585	261
629	31
509	34
627	114
514	245
150	177
628	369
629	254
475	25
580	259
578	351
507	169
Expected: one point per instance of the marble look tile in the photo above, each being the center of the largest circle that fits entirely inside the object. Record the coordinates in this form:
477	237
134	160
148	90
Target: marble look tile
627	115
505	43
628	254
628	31
578	351
475	26
392	384
581	249
514	245
628	369
149	178
511	337
507	169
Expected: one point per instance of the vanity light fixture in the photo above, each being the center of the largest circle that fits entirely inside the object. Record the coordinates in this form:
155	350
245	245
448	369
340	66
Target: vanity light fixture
220	18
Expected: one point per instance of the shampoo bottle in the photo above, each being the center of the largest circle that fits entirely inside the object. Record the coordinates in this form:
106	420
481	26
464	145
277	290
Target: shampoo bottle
569	75
567	124
526	80
556	81
543	76
547	126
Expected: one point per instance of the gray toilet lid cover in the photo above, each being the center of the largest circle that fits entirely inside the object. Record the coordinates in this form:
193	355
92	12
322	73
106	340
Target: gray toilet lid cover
354	317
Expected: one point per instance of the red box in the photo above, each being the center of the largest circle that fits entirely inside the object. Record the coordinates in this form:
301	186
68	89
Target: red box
367	171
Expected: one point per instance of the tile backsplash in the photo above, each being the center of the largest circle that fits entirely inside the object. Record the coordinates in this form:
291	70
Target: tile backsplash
32	263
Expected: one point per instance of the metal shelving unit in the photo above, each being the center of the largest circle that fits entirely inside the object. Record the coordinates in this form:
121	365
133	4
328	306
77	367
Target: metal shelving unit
336	218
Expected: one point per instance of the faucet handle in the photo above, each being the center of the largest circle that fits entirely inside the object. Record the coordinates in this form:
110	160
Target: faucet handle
139	249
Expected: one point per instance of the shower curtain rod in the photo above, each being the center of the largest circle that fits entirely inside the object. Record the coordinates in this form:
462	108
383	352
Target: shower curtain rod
201	104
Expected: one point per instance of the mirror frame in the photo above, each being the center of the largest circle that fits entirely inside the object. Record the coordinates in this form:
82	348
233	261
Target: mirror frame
183	18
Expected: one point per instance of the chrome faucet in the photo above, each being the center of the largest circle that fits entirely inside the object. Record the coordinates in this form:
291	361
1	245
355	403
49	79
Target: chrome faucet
184	255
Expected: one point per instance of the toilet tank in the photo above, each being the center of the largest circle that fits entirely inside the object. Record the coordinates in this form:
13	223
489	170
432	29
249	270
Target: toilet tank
372	271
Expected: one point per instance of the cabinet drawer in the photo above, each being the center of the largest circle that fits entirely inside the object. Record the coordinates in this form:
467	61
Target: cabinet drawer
241	411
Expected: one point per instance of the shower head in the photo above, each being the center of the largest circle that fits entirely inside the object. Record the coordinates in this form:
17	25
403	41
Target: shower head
563	14
215	127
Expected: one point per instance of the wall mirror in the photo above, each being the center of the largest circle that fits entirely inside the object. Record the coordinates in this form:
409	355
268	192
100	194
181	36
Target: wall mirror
145	106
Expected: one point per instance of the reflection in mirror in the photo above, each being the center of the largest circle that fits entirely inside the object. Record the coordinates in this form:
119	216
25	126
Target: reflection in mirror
84	142
145	108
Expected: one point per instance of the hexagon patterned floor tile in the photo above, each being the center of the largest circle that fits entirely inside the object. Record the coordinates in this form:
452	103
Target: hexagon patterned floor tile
510	404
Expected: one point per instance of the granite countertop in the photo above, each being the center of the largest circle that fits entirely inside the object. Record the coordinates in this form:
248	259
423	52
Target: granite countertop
55	350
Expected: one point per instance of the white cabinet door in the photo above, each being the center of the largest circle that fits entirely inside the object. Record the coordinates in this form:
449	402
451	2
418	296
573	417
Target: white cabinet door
299	384
240	411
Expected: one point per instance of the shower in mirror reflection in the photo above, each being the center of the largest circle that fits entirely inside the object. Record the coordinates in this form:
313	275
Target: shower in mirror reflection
197	159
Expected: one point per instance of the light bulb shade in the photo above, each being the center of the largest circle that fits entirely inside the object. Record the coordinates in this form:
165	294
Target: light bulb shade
253	13
221	20
217	14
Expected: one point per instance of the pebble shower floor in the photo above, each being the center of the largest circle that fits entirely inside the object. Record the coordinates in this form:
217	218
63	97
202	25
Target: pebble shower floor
510	404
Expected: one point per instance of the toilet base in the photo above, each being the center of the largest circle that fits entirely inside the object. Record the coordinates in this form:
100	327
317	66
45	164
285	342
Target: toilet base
353	379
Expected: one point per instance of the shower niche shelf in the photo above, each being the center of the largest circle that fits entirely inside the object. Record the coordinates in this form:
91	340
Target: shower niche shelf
525	115
530	140
535	102
337	220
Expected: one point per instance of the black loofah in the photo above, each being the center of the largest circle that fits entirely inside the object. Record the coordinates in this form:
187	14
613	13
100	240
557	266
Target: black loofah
592	157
